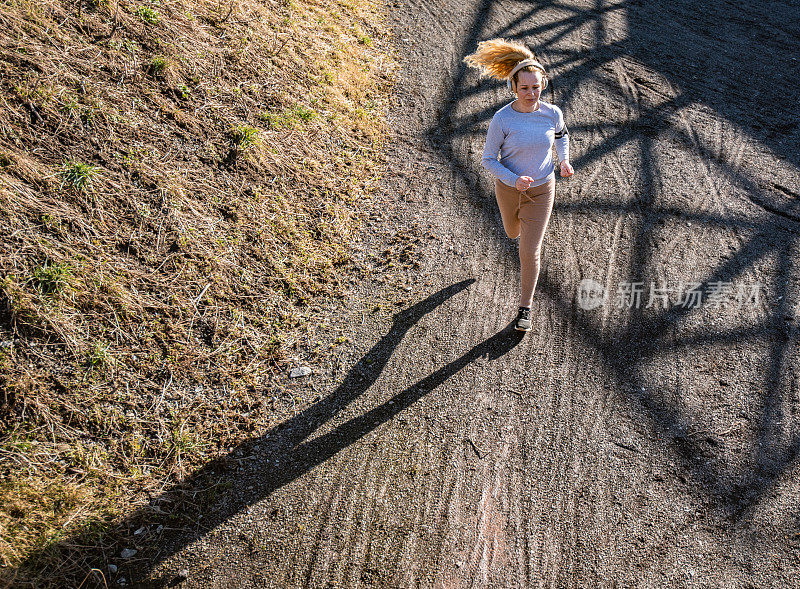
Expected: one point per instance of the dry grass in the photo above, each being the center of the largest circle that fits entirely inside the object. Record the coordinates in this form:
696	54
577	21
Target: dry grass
178	181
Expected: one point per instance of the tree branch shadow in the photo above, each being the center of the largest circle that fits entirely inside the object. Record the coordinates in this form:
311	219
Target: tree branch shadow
734	497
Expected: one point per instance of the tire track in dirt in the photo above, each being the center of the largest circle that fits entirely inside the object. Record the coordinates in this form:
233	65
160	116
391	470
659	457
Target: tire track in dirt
434	513
320	562
360	524
701	148
618	183
610	267
449	515
721	156
486	545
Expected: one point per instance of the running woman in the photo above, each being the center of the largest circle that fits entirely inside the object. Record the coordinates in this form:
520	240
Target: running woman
522	133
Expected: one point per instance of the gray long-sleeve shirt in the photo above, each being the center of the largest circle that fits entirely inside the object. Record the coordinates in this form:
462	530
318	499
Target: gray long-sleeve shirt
524	141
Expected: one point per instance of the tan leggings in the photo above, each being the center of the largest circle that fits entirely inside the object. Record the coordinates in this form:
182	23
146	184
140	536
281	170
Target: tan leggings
525	215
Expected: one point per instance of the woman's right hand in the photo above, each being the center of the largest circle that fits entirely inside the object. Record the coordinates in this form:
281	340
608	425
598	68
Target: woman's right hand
523	183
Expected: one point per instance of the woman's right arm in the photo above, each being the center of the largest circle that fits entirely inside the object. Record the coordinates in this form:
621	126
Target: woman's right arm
494	141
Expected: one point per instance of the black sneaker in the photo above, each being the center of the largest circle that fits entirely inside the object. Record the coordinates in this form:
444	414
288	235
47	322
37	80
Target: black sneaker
523	319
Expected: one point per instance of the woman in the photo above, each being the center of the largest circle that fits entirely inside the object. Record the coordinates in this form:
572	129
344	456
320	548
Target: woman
522	133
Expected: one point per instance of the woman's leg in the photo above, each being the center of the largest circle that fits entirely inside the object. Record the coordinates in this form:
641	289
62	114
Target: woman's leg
534	215
508	199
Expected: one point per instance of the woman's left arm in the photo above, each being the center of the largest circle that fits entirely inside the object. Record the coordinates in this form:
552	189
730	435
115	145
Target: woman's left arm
562	145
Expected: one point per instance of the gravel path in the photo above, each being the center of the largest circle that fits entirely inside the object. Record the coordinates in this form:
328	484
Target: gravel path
630	446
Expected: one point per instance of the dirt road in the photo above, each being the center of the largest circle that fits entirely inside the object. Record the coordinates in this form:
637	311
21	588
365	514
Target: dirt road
622	446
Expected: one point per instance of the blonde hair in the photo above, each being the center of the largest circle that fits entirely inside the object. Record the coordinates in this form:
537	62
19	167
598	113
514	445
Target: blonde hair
497	58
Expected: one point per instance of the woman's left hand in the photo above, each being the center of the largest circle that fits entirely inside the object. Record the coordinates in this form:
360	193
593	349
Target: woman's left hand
566	170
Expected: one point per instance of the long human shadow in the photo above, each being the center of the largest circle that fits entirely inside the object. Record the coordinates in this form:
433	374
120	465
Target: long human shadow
300	458
648	332
281	454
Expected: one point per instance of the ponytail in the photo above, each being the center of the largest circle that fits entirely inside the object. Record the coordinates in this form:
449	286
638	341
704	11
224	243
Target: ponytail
500	58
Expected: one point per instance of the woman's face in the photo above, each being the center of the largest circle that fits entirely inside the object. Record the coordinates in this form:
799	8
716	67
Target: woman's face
529	87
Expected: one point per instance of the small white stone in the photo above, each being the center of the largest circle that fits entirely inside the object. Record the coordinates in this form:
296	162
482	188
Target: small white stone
112	568
298	372
128	552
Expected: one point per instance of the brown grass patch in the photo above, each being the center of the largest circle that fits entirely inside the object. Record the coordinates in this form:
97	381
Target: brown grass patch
178	181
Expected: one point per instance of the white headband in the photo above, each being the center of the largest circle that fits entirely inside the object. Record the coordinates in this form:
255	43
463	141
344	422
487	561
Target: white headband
522	64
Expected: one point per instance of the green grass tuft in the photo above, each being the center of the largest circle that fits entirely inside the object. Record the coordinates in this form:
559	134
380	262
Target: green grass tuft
98	355
290	118
159	64
148	15
78	175
51	278
244	136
